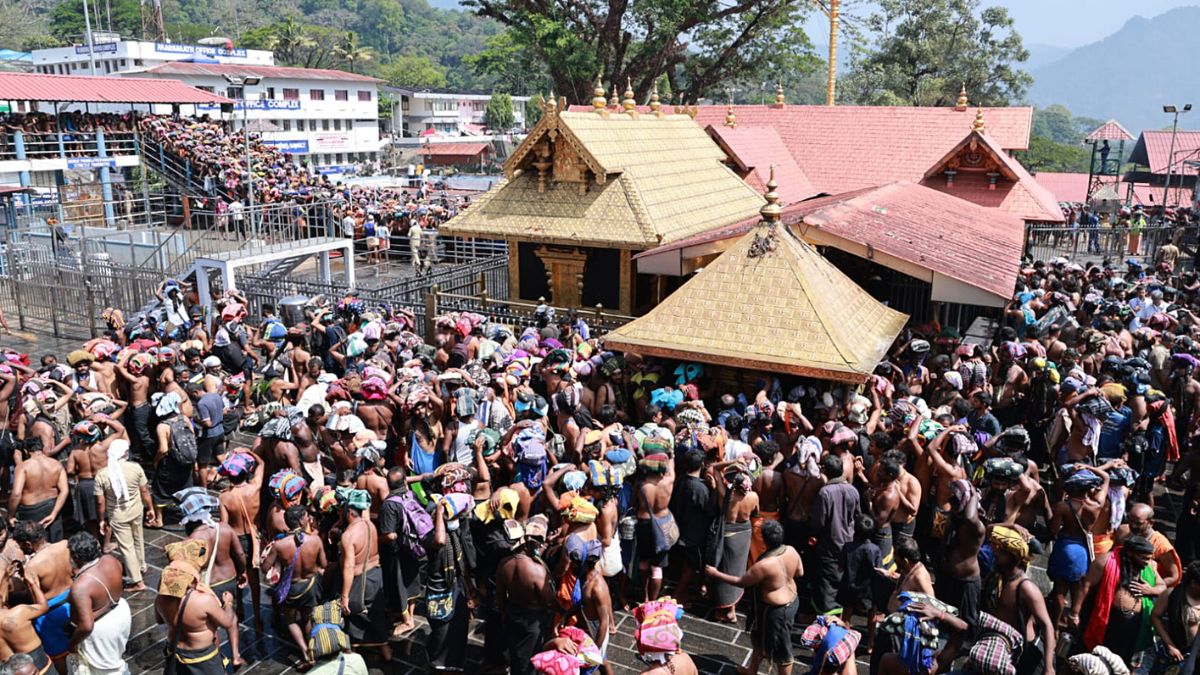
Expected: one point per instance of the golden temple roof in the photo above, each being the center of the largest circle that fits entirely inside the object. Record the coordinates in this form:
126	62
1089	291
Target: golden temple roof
621	180
770	303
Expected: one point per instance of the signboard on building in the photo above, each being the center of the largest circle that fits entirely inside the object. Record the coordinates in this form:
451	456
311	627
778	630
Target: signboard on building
330	142
192	50
90	162
336	169
256	104
290	147
97	48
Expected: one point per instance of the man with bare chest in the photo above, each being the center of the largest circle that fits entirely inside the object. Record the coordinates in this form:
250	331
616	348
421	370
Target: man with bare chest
84	462
524	594
51	564
225	570
959	582
39	491
301	559
239	510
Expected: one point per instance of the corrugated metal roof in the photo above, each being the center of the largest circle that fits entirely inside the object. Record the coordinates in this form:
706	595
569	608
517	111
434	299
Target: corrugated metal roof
237	70
1110	131
1153	147
453	149
83	89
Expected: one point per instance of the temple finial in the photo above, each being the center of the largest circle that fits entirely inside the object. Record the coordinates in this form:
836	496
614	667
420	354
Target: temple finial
962	102
779	98
771	210
978	125
730	119
655	104
615	101
598	99
551	104
627	100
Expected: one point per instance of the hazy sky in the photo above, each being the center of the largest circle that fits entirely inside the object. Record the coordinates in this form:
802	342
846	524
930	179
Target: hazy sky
1062	23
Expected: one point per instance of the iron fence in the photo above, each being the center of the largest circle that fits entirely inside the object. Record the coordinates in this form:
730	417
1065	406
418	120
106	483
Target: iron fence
1084	244
517	313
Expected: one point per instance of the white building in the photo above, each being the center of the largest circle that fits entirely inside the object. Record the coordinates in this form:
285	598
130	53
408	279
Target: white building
450	113
114	56
328	117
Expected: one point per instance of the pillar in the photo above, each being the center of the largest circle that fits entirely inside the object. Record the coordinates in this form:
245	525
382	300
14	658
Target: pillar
23	175
348	261
105	179
323	271
203	294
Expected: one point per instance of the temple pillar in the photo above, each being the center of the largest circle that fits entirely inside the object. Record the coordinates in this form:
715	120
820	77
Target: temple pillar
626	276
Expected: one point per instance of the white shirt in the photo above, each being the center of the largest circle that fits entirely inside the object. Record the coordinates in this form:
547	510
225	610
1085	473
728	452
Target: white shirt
348	224
237	210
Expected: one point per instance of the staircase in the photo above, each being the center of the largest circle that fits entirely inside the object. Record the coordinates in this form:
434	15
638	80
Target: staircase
179	173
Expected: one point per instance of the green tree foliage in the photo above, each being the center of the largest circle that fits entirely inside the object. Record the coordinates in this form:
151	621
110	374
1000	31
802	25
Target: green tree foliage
1056	123
509	65
351	52
67	20
700	45
927	50
413	71
533	110
499	113
1045	154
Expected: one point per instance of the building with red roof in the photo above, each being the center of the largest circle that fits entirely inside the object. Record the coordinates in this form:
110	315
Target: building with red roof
951	251
452	154
1072	188
1154	161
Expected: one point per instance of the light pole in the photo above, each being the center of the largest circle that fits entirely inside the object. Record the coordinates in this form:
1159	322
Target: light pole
1172	110
243	82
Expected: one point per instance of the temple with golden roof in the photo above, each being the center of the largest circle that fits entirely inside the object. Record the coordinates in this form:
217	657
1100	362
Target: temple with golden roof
585	191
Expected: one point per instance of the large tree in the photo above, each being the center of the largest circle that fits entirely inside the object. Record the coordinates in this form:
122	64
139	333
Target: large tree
417	72
926	50
700	45
499	114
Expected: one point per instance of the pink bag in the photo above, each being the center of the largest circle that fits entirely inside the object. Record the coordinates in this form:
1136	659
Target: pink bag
658	628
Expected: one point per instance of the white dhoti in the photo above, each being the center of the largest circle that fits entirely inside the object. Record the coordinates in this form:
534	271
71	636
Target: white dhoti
103	652
610	559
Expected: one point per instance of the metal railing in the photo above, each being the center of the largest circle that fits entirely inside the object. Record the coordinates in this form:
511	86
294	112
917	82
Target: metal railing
1116	243
517	313
66	144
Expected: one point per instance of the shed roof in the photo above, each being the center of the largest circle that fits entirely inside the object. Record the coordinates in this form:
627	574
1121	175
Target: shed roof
86	89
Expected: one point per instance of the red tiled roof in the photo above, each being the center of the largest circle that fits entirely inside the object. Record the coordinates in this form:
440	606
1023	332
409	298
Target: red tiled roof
755	150
81	89
1153	147
453	149
15	189
978	246
1109	131
1066	187
266	72
1015	191
844	148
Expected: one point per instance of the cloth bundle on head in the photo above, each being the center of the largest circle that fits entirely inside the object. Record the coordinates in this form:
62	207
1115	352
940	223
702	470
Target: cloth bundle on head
287	486
211	361
177	577
277	427
666	398
954	379
197	505
654	463
843	435
832	643
929	430
374	389
79	356
917	640
1004	538
456	504
576	509
537	527
372	452
491	440
574	480
327	636
507	500
600	475
359	500
138	363
166	404
326	499
455	478
657	630
1083	480
995	644
961	492
193	552
1101	661
87	430
553	662
1002	468
654	444
237	464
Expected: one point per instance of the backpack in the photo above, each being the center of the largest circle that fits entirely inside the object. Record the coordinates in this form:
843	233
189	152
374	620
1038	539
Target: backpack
183	441
415	524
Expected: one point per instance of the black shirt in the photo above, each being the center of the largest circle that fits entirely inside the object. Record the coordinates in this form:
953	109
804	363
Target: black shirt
391	521
694	506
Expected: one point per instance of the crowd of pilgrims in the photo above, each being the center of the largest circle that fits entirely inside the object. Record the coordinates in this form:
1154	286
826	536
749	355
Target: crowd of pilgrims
353	477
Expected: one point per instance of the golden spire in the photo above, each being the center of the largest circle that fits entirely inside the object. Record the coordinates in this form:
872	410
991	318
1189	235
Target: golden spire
962	102
730	120
598	100
551	104
627	100
615	101
977	125
654	102
779	98
771	210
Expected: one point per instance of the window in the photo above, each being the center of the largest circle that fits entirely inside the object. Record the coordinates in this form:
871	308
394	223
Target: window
137	62
271	93
337	125
299	125
365	96
234	93
286	125
291	94
316	94
124	63
324	125
341	95
443	106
